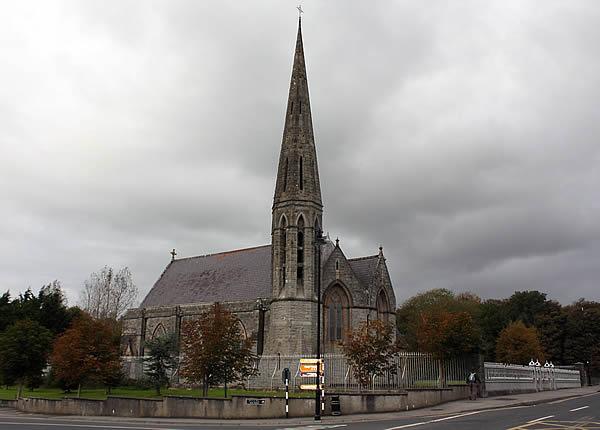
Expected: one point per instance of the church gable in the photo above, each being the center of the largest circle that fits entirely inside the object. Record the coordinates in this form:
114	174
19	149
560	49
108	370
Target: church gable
382	286
239	275
338	269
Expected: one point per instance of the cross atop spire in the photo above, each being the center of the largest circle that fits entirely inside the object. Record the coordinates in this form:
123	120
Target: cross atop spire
300	11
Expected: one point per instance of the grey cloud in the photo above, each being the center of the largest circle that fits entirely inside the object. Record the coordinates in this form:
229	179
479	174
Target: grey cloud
461	136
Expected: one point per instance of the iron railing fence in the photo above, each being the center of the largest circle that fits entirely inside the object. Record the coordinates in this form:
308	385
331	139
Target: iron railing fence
408	370
511	378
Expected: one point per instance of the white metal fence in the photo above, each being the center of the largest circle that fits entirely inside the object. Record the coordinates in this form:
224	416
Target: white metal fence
503	378
409	370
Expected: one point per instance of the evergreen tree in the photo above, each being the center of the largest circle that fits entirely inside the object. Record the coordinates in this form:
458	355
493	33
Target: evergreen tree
161	360
24	349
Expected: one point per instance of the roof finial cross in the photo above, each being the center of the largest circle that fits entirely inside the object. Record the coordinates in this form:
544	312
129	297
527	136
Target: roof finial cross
173	254
300	11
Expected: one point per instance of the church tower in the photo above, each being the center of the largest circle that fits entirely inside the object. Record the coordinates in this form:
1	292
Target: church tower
297	216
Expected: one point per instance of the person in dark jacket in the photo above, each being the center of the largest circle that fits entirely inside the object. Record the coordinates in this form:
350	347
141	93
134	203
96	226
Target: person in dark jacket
473	383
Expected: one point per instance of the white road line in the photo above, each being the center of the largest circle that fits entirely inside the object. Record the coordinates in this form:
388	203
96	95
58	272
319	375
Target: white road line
540	419
578	409
435	421
408	425
109	426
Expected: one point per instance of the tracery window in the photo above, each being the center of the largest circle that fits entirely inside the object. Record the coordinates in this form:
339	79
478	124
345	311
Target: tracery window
383	306
300	250
336	314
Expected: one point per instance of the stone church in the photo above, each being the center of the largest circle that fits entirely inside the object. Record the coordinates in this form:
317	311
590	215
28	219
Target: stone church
272	289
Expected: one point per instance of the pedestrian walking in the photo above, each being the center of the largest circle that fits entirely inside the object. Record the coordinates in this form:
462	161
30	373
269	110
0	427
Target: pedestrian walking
473	383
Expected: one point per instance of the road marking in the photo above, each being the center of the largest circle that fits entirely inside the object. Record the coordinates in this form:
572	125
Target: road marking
109	426
315	427
435	421
578	409
541	419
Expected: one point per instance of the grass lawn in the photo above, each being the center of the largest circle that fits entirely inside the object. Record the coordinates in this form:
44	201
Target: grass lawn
100	393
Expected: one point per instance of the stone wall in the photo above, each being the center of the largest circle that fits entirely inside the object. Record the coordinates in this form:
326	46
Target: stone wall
239	407
142	324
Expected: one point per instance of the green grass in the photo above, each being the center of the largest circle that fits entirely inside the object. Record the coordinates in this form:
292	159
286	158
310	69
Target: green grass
100	393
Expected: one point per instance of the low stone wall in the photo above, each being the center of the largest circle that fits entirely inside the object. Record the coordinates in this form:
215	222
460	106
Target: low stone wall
387	402
240	407
8	403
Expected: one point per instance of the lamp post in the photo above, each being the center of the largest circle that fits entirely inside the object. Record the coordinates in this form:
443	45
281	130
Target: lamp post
318	241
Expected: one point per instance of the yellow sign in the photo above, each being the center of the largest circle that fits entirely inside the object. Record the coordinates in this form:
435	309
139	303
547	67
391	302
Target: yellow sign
308	387
308	367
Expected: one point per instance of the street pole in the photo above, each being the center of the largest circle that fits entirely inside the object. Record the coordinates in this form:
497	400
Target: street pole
318	240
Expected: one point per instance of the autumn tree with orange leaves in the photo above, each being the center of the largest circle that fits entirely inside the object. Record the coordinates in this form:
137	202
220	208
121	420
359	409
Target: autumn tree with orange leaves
518	344
215	350
370	350
87	353
445	334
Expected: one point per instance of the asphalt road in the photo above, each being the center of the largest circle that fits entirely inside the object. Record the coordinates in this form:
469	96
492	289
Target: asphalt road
578	413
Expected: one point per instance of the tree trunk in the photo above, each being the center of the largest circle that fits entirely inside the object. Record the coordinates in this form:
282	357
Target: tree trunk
79	391
442	373
20	389
157	386
225	390
205	387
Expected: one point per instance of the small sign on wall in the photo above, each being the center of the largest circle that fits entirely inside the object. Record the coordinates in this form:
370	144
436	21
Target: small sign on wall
255	402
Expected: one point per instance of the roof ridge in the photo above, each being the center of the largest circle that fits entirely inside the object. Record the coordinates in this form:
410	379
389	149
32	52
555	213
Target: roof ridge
367	257
222	252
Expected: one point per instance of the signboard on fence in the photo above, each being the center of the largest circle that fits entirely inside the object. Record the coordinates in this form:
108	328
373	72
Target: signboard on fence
255	402
308	367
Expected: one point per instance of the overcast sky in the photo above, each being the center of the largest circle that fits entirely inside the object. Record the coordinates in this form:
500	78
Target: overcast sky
462	136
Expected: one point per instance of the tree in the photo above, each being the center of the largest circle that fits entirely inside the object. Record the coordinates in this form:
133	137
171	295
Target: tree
48	308
525	306
7	311
551	325
409	317
370	350
518	344
492	320
445	334
108	294
24	348
582	334
87	352
215	350
162	358
52	309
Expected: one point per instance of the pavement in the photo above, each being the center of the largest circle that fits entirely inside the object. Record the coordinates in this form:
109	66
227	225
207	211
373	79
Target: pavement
565	409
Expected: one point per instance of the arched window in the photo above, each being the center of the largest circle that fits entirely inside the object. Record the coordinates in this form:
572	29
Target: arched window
159	331
336	314
300	250
283	253
383	306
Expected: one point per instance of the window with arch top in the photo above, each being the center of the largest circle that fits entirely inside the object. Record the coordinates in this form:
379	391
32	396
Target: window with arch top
336	313
383	306
300	250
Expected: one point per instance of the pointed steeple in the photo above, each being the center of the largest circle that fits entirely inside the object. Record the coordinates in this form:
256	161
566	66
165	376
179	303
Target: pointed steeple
298	173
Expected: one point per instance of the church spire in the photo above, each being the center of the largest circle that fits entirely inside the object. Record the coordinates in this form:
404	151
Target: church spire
298	174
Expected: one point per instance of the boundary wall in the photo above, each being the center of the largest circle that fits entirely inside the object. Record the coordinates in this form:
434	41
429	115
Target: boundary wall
241	407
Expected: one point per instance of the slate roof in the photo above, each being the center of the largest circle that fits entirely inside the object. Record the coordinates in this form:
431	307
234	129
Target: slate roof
240	275
364	268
